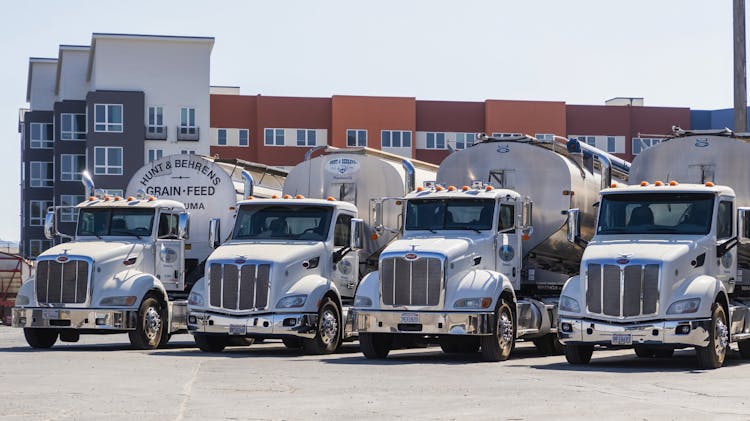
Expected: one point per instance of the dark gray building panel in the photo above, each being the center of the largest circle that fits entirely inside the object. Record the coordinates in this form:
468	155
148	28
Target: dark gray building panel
28	193
67	147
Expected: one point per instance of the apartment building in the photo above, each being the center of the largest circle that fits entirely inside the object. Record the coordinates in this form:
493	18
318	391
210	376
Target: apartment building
108	107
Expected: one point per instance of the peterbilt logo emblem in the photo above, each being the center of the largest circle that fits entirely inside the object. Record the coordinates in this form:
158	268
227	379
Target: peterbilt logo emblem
410	256
62	259
623	261
701	142
239	261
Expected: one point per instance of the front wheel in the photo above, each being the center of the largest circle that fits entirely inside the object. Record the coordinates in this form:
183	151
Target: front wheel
744	347
549	345
150	325
328	337
40	338
578	354
712	356
375	346
497	346
210	343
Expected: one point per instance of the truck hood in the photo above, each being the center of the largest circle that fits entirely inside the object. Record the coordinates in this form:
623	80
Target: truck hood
275	253
449	247
100	251
641	248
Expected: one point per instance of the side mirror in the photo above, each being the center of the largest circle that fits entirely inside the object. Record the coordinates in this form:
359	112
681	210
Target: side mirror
50	222
574	229
214	233
743	225
527	214
357	240
183	225
377	210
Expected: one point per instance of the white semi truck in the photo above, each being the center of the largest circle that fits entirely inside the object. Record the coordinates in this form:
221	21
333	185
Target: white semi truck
664	270
288	269
131	262
472	269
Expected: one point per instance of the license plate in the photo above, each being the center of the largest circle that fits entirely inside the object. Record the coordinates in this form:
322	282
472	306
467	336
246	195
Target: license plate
622	339
237	329
51	313
410	318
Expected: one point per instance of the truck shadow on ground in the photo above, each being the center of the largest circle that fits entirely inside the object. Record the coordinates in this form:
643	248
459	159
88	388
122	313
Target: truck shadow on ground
75	347
682	361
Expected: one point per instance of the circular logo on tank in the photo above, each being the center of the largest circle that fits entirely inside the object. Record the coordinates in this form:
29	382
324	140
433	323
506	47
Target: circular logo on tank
342	166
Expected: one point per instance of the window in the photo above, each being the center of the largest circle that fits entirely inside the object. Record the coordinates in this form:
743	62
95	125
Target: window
38	211
72	126
611	144
244	137
589	140
656	213
41	135
187	152
108	118
506	218
222	137
154	154
36	247
306	137
274	137
341	231
156	120
187	121
71	167
642	143
290	223
167	226
724	220
41	174
454	214
356	137
108	160
435	140
395	139
545	137
69	214
131	222
113	192
500	135
464	140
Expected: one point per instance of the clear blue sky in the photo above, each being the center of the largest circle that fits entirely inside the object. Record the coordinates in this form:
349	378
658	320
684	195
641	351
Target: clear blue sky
672	52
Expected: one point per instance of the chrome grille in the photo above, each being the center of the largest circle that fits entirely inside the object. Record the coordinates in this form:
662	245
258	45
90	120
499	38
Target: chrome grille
62	283
626	291
239	287
411	282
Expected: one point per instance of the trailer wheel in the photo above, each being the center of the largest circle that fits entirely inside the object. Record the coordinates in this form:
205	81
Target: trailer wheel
292	343
375	346
549	345
712	356
210	343
150	325
744	347
40	338
328	337
459	345
497	346
578	354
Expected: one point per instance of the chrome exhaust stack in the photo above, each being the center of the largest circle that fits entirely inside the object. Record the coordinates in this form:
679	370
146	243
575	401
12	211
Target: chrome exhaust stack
88	183
411	176
249	183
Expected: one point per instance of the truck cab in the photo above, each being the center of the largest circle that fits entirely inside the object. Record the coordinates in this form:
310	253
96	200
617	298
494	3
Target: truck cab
287	272
659	274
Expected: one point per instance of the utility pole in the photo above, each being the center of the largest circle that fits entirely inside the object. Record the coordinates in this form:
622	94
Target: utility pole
740	73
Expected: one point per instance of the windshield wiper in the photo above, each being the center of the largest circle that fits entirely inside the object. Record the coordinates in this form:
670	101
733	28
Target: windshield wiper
91	233
136	235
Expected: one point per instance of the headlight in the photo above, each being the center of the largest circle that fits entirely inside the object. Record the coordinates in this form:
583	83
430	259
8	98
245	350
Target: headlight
684	306
195	299
506	253
22	300
482	302
569	304
292	301
127	300
361	301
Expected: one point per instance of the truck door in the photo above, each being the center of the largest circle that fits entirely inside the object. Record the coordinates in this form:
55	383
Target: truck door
170	254
724	229
345	272
508	241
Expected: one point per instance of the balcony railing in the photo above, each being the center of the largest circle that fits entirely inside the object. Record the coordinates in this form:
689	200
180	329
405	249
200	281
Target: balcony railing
188	133
156	132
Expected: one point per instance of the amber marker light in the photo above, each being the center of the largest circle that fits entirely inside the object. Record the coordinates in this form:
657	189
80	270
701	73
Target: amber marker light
613	185
92	198
151	198
250	198
464	188
118	198
299	196
451	188
488	188
439	188
287	196
330	198
672	183
658	183
374	236
709	184
130	198
644	183
420	188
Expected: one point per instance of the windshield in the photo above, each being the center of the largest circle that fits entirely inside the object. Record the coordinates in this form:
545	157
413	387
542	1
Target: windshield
115	221
453	214
309	223
685	213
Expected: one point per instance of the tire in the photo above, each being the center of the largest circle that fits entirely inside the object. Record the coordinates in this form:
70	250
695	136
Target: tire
459	345
375	346
292	343
210	343
549	345
744	347
578	354
712	356
40	338
328	336
498	345
150	325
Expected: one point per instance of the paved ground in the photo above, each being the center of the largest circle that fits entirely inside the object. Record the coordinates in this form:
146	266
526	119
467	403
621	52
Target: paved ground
99	378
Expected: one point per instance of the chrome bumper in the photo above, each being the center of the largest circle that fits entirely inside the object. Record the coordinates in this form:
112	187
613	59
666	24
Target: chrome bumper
75	318
302	325
424	323
577	331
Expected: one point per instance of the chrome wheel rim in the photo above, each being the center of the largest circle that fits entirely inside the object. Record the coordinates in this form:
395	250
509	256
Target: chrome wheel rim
505	329
721	337
329	327
152	325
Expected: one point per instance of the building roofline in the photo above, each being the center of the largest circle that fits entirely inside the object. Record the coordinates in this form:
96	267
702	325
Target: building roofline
66	47
32	61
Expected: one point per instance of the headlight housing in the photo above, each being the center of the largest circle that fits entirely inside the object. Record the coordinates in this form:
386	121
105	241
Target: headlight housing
481	302
125	300
22	300
195	299
569	304
292	301
506	253
362	301
690	305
